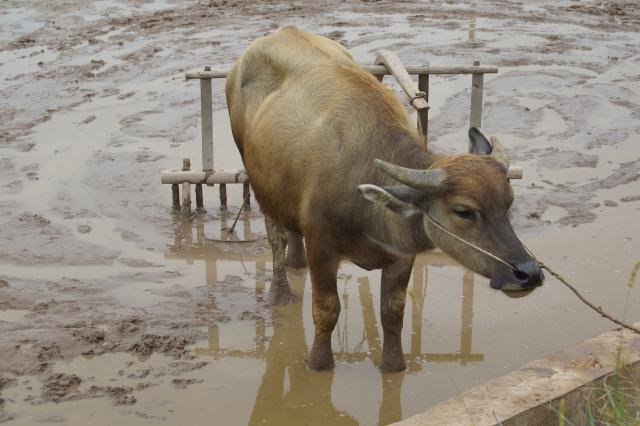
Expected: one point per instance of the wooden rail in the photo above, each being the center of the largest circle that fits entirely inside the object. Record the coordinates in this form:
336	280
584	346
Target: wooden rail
387	63
206	178
375	70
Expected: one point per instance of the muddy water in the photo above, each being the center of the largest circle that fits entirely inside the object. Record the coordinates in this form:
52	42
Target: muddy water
112	310
458	332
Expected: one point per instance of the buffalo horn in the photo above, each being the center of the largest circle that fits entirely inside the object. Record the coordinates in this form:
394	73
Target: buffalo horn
424	180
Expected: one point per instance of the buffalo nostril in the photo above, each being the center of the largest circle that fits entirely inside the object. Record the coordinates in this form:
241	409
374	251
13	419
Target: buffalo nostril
529	273
522	276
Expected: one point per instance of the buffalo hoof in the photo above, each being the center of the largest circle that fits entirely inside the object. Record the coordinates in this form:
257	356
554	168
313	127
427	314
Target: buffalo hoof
280	294
321	364
321	358
393	365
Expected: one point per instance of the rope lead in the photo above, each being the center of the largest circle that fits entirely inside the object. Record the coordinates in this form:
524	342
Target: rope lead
559	277
598	309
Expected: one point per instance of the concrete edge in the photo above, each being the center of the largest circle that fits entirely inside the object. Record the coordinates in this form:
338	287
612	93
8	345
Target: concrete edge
537	383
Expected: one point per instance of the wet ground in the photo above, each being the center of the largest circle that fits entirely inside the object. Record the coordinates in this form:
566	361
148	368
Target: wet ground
112	310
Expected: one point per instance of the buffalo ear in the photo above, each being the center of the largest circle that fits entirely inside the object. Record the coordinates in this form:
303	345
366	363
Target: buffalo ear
399	199
478	142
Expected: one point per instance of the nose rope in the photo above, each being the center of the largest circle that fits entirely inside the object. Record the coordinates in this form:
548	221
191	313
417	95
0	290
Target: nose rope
596	308
530	252
462	240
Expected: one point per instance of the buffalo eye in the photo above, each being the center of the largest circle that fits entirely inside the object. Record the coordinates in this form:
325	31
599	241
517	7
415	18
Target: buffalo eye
464	213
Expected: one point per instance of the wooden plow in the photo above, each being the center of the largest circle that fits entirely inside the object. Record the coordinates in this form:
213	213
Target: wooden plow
386	63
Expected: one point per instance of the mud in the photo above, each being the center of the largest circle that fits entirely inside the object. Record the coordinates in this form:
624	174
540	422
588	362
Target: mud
108	300
59	387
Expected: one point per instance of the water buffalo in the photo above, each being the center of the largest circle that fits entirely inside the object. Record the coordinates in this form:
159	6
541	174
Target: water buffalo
333	157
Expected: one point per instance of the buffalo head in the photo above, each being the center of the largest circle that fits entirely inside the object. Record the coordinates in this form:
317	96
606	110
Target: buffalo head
470	196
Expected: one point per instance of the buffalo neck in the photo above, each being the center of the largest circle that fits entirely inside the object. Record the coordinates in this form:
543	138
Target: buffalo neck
398	233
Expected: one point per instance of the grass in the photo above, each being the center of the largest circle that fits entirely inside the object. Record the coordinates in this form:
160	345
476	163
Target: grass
616	402
615	399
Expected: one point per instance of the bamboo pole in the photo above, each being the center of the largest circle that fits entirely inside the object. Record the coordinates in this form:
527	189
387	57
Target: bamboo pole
175	197
209	178
174	177
477	83
185	210
206	109
392	62
423	115
376	70
199	202
515	172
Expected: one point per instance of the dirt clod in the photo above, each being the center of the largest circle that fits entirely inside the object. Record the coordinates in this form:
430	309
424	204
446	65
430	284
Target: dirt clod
6	382
90	335
129	326
118	394
84	229
4	416
49	352
630	198
181	383
170	345
58	387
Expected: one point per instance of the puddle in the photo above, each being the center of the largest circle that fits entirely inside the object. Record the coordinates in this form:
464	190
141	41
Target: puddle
13	315
458	333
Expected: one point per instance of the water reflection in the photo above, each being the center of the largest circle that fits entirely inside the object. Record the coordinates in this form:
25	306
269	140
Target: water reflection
288	390
472	22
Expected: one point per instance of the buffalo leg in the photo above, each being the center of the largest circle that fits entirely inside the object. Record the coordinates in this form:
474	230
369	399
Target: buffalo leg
280	291
325	308
296	256
393	291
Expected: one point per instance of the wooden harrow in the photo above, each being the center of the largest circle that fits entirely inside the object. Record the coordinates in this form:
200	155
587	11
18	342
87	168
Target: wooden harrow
386	63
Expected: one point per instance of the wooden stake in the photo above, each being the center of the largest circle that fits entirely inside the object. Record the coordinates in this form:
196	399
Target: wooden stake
185	210
199	202
175	197
377	70
223	195
423	115
209	178
477	82
206	109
